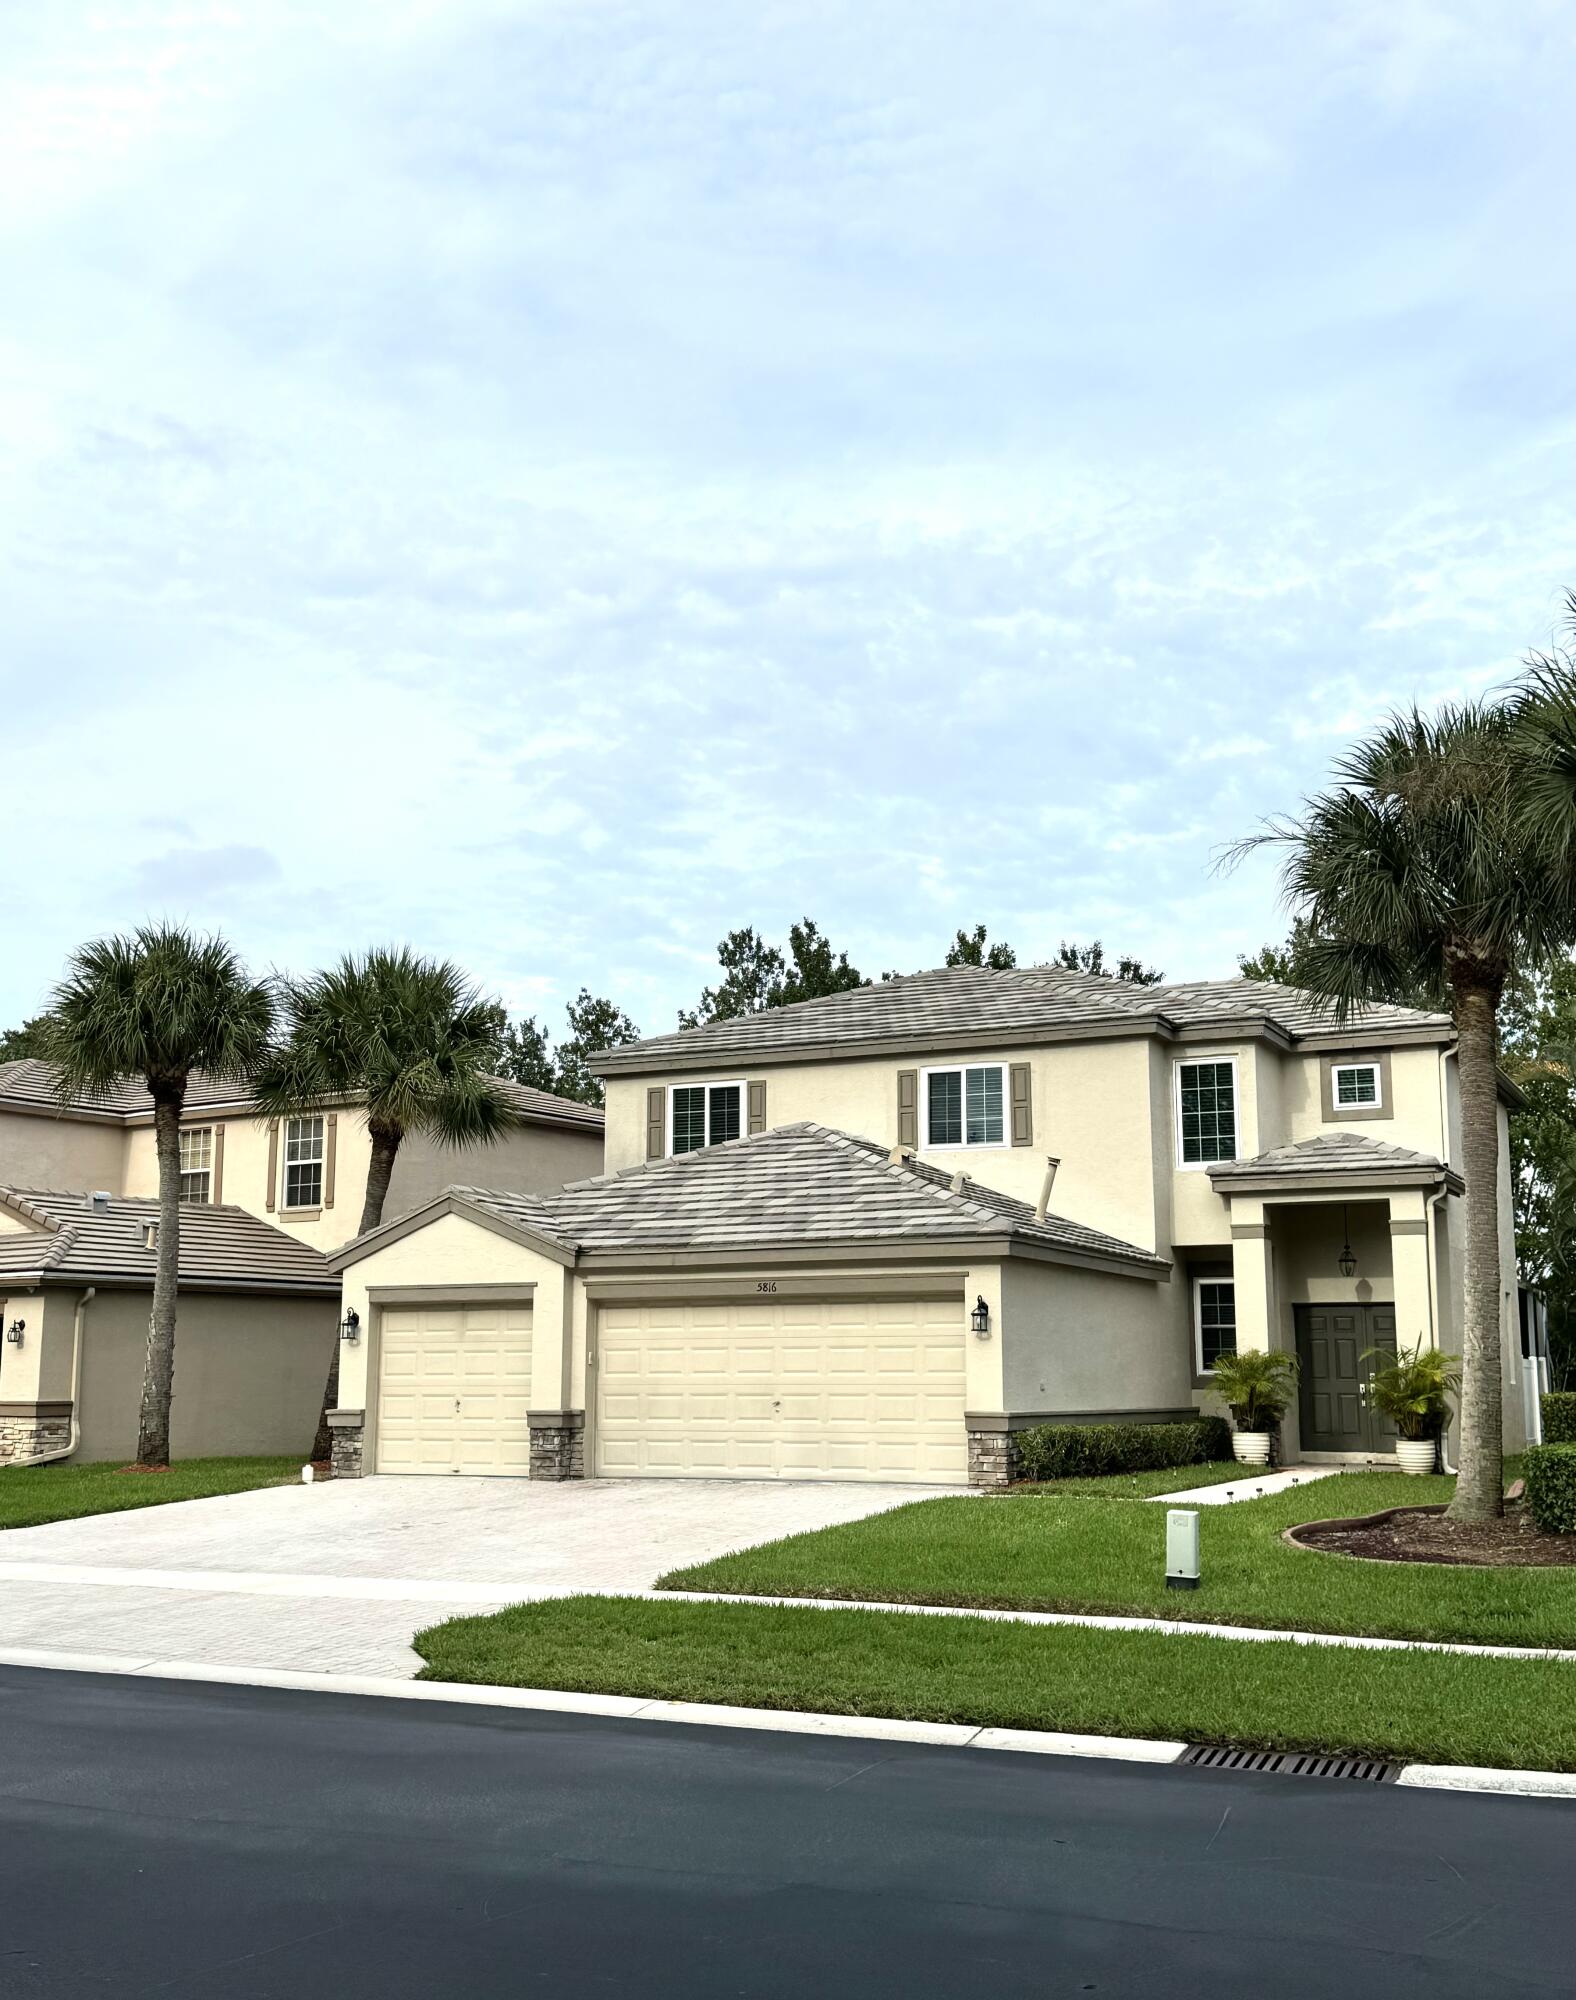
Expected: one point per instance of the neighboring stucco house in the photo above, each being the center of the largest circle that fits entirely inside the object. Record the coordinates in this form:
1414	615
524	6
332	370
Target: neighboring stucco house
259	1314
822	1246
307	1175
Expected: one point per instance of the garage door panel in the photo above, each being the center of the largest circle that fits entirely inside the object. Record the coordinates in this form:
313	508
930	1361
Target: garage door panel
455	1389
838	1389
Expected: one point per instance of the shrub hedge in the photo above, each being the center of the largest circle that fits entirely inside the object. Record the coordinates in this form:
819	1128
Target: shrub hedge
1559	1416
1089	1451
1550	1473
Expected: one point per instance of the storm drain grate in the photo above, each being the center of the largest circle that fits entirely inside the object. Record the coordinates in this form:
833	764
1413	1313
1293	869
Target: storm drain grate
1290	1763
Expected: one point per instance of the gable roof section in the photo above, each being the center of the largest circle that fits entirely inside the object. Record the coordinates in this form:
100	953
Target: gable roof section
222	1248
28	1085
970	1005
1335	1157
797	1187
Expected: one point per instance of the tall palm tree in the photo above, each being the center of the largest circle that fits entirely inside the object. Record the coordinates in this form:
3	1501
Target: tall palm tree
408	1038
1441	865
158	1004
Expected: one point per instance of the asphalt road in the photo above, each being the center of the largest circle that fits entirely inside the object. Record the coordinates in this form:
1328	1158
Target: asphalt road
182	1840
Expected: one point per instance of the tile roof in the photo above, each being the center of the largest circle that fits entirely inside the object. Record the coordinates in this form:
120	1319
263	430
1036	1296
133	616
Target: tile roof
29	1082
1328	1153
796	1186
221	1247
976	1002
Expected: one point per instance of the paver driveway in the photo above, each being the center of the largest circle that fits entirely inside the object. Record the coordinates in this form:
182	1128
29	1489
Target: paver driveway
336	1578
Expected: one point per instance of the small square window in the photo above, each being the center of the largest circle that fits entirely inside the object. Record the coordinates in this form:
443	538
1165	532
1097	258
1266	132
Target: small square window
1215	1320
1357	1086
197	1165
966	1107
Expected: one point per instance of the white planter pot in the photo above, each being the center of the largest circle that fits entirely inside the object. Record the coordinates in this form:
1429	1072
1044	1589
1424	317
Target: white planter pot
1251	1447
1415	1455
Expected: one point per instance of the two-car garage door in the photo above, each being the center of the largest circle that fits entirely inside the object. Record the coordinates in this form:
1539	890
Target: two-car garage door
843	1389
454	1388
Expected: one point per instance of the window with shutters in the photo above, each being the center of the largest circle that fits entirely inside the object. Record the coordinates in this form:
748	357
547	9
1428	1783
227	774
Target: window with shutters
304	1148
704	1114
965	1106
197	1165
1206	1112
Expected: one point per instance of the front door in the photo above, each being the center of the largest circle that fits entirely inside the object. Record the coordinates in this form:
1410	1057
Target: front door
1336	1409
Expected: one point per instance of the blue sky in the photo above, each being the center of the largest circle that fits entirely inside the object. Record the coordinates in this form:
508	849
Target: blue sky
548	483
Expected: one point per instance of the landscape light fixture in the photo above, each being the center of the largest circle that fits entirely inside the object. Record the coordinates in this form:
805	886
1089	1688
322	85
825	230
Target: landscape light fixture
979	1319
350	1325
1346	1261
15	1330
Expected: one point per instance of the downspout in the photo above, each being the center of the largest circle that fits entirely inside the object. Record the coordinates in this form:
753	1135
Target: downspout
65	1451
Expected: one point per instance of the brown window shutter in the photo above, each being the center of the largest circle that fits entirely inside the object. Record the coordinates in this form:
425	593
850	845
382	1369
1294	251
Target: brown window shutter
656	1122
758	1106
908	1107
330	1148
1022	1105
217	1190
273	1159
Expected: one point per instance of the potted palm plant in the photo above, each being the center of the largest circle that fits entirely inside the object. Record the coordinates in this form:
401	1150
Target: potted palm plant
1257	1386
1413	1391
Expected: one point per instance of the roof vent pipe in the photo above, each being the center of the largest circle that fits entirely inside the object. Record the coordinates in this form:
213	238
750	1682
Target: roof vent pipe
150	1235
1051	1164
98	1200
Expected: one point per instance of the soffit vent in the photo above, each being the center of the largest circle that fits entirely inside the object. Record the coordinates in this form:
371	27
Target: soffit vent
1290	1763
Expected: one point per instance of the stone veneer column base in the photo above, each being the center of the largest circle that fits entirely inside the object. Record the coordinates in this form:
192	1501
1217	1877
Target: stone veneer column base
558	1443
27	1430
993	1452
347	1436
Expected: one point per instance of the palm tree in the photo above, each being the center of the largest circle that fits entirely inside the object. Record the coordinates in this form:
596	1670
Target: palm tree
157	1004
1441	865
408	1038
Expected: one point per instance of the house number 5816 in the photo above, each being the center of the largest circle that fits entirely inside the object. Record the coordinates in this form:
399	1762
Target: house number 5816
767	1285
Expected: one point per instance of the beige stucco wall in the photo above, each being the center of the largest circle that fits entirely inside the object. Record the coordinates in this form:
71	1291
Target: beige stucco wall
533	1159
39	1150
1086	1342
33	1370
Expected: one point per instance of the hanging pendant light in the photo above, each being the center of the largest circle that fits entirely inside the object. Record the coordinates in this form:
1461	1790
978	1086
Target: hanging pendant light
1346	1262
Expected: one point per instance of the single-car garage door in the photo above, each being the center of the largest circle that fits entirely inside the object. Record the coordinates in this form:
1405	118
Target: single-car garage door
454	1389
842	1389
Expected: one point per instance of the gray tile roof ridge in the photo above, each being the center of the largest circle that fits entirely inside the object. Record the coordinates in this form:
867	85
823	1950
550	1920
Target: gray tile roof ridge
1360	1145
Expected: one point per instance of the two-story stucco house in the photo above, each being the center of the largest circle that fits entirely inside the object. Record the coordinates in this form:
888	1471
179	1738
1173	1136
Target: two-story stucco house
830	1243
259	1306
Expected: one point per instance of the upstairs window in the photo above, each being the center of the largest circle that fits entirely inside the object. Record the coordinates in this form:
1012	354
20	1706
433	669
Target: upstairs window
197	1165
303	1163
1206	1112
965	1107
1214	1320
705	1114
1357	1086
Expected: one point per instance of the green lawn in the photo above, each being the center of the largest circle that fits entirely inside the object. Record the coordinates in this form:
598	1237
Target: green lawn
1036	1552
1434	1707
33	1494
1144	1485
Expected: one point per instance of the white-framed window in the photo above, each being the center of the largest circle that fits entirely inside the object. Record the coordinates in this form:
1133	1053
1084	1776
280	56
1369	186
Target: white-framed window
966	1106
1357	1086
197	1165
1214	1321
704	1114
303	1163
1206	1111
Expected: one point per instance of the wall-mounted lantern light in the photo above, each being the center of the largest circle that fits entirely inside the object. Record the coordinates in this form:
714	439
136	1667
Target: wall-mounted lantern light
350	1325
1347	1261
979	1319
15	1330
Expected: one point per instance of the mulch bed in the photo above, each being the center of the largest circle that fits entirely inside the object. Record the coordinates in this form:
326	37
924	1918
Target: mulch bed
1423	1535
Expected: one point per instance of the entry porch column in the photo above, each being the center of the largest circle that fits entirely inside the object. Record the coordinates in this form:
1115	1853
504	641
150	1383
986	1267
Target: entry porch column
1411	1277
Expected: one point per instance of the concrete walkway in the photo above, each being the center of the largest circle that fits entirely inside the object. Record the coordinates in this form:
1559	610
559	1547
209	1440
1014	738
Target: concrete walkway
336	1578
1251	1486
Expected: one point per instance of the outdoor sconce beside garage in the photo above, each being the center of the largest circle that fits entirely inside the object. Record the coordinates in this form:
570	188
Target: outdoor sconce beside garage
979	1319
350	1325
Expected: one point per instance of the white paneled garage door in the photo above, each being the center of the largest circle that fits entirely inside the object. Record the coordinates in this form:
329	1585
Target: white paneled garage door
847	1389
454	1386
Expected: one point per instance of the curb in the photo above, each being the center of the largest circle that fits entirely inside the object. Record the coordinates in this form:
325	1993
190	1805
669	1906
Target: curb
708	1715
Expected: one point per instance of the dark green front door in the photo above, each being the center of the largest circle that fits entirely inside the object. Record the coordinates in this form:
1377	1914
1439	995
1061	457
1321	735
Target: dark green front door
1332	1393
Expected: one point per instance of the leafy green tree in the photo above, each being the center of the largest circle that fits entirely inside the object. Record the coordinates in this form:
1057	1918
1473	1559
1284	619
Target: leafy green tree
158	1003
1441	862
524	1055
28	1040
813	970
1281	964
594	1026
970	948
1539	1054
1091	958
756	975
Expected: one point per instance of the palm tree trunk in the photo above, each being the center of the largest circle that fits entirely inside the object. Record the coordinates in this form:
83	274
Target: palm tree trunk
158	1373
1480	1487
380	1171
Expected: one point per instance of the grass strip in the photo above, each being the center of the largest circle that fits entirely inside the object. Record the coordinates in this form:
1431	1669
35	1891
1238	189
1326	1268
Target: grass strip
31	1495
1269	1694
1037	1553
